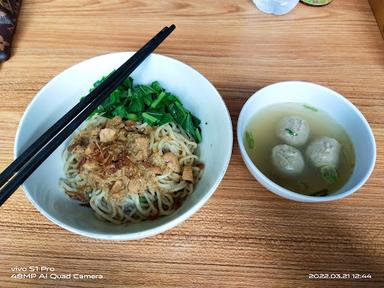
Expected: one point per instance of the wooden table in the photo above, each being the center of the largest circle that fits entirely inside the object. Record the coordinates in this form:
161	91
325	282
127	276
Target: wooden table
245	236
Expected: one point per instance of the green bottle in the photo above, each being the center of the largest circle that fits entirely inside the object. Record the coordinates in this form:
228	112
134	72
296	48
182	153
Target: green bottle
316	2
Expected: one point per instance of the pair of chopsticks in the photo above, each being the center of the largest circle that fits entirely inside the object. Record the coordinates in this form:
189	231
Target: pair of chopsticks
22	167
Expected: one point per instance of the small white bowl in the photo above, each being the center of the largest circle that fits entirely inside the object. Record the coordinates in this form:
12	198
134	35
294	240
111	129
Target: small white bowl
64	91
325	99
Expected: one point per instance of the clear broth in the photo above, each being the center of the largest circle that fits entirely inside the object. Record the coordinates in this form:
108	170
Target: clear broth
262	129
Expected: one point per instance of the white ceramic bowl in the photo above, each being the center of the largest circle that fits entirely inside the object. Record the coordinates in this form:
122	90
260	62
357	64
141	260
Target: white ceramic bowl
325	99
65	90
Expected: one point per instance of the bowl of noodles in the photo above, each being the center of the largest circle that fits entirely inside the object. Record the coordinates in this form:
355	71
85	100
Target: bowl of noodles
147	159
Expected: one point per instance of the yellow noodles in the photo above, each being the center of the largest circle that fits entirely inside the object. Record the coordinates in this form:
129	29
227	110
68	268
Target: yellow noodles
128	171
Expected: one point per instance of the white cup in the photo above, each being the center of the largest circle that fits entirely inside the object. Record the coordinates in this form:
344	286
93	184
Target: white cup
276	7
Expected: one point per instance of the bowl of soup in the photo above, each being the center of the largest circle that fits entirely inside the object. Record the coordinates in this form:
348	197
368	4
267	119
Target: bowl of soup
305	142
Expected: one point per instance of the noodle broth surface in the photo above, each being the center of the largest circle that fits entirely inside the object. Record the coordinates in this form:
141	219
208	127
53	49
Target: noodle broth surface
262	129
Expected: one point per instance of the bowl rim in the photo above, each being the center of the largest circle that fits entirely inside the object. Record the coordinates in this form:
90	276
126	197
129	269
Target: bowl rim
289	194
154	230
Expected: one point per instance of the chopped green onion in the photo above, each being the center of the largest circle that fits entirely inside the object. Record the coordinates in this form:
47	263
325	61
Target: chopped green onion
249	139
156	86
143	200
148	103
132	117
196	120
151	120
322	192
166	118
128	83
291	132
198	135
158	99
329	174
311	108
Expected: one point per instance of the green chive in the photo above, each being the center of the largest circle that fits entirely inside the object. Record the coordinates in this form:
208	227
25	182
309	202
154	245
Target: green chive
250	140
291	132
329	174
151	120
311	108
149	103
322	192
158	99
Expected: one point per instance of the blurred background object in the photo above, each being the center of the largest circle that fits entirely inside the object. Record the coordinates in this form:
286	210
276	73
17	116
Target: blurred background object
276	7
9	9
378	10
316	2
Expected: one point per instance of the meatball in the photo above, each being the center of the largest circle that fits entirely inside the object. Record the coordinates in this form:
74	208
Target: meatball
324	151
293	130
287	160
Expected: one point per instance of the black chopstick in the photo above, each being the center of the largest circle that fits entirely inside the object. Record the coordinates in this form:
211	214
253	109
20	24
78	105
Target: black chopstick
29	161
61	123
